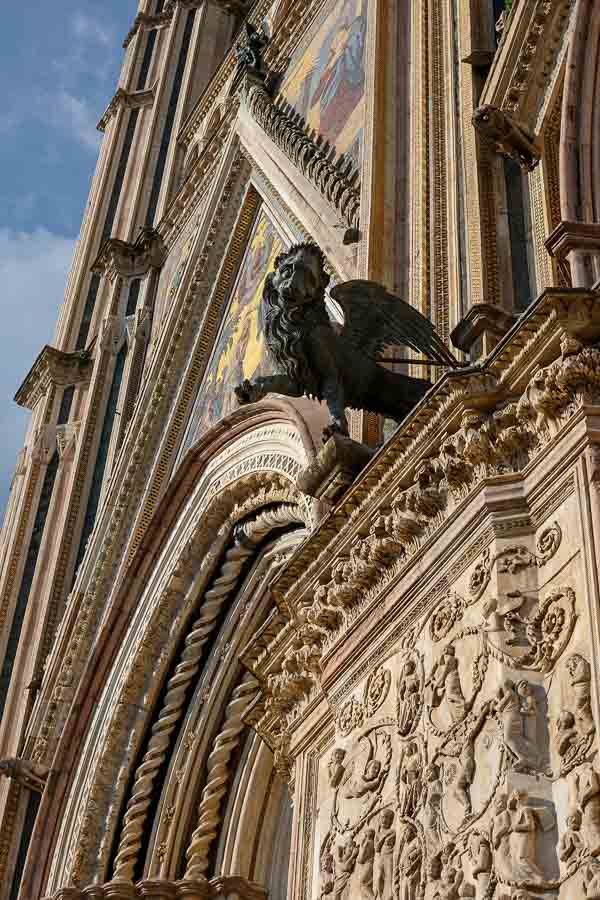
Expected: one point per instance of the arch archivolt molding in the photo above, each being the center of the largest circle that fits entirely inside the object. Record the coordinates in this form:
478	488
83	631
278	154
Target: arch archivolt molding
214	726
190	584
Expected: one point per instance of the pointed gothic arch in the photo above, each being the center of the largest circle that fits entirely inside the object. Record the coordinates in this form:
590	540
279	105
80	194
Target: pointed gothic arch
166	670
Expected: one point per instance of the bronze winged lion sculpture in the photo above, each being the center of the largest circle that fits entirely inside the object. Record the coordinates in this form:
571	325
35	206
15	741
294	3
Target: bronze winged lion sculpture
318	359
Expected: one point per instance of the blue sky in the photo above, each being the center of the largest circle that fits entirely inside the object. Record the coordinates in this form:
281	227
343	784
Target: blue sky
59	66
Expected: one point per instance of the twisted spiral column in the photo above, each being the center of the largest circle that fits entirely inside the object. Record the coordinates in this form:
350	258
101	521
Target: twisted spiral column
217	779
247	537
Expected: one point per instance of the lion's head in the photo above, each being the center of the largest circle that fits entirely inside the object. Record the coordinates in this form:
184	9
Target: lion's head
293	303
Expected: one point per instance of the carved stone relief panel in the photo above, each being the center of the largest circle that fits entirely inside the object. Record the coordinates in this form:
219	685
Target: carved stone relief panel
465	764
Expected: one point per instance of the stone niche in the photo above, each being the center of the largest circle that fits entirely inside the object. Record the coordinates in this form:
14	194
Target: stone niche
464	762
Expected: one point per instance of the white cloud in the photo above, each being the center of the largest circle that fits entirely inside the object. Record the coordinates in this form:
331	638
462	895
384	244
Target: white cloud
75	116
33	273
89	29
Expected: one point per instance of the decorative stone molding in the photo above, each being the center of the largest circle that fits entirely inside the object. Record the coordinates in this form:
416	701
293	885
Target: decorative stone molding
335	177
121	259
125	100
54	367
217	778
230	887
248	537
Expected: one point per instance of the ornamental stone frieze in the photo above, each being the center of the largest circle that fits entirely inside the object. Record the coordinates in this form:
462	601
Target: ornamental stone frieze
335	177
462	759
54	367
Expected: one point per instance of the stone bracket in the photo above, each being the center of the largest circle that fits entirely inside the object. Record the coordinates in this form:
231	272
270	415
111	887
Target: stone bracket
122	259
507	136
57	367
126	100
336	466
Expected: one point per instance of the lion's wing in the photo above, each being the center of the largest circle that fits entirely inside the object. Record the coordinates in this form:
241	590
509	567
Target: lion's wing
375	319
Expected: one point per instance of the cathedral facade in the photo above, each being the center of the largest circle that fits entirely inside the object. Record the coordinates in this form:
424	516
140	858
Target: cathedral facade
254	647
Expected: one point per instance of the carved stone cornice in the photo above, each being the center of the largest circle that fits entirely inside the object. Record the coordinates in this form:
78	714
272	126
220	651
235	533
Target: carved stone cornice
528	61
56	367
126	100
147	22
120	259
569	236
335	177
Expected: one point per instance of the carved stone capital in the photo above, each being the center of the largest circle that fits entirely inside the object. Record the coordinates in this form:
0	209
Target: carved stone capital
234	886
479	331
157	889
122	259
126	100
196	889
55	367
28	774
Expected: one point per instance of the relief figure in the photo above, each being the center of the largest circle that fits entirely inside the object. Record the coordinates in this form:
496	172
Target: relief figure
365	861
508	705
580	676
410	857
335	766
587	784
409	781
385	844
409	697
571	844
432	799
345	862
444	684
327	877
364	783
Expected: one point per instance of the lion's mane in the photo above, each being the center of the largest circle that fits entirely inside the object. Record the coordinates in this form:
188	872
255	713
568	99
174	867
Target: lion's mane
286	326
